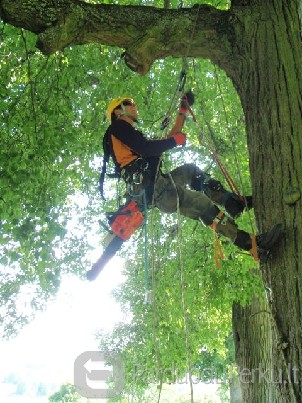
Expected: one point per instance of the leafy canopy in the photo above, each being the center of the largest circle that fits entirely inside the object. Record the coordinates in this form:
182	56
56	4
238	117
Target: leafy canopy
52	122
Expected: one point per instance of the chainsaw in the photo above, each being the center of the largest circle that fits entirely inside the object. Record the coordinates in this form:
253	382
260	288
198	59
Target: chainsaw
123	224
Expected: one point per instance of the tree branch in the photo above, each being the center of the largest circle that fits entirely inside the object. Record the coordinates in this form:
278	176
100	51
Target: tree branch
146	33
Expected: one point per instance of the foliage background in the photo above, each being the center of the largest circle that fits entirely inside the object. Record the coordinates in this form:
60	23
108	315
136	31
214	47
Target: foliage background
52	122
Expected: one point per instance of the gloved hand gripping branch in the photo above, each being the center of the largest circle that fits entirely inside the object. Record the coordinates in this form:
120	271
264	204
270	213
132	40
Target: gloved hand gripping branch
180	138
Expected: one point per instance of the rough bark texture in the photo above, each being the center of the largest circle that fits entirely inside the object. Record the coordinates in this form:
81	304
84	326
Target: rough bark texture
268	80
235	391
258	44
253	351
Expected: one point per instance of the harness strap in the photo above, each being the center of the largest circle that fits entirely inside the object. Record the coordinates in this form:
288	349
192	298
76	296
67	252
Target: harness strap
217	220
108	152
253	251
218	253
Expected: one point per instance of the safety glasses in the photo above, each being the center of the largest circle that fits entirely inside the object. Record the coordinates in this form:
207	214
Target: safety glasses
128	102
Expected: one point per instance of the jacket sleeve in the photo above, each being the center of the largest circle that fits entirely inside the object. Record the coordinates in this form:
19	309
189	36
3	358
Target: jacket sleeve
132	138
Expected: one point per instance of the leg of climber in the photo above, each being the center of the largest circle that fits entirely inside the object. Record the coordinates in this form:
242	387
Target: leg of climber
264	242
169	196
190	174
233	204
227	227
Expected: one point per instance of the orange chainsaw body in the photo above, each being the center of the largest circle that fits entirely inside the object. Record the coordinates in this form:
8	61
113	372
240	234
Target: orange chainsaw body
127	220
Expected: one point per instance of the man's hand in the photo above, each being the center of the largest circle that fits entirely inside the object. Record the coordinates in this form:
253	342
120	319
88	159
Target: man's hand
186	101
180	139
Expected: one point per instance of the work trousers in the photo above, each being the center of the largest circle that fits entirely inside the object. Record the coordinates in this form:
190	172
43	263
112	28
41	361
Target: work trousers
176	190
173	191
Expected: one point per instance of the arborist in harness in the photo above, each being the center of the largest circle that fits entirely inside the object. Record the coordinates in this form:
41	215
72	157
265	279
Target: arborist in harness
137	159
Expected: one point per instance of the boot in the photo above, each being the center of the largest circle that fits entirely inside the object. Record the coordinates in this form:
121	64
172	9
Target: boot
264	242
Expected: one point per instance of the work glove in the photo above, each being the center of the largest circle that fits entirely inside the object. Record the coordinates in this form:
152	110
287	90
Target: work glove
179	138
186	101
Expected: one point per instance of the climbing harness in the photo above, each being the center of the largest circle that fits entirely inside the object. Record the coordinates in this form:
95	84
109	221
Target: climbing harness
136	173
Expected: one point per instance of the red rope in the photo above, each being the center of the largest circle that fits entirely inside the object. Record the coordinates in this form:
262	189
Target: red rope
223	169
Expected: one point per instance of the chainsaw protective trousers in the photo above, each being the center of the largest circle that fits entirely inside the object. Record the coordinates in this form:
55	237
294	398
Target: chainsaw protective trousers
171	191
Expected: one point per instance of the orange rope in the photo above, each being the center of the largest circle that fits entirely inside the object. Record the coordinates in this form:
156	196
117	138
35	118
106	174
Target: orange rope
218	253
217	246
223	169
253	250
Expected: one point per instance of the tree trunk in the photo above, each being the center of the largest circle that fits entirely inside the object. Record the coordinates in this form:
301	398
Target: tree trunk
269	82
235	391
253	351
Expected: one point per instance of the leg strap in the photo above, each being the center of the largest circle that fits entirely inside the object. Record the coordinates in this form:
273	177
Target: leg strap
218	219
218	253
254	251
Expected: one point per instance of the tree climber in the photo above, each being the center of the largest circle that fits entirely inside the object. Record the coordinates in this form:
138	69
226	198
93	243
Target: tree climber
138	161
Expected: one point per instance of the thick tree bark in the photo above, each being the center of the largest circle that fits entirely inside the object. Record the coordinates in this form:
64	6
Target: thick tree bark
269	82
258	44
253	351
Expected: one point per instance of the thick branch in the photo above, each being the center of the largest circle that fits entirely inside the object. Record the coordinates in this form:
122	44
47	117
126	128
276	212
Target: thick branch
146	33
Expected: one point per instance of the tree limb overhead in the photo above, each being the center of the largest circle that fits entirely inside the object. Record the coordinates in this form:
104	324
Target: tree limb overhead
146	33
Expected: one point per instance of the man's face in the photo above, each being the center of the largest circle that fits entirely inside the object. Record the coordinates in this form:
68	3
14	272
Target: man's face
131	109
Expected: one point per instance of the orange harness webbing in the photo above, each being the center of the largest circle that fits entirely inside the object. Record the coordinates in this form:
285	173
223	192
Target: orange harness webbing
223	169
218	253
253	250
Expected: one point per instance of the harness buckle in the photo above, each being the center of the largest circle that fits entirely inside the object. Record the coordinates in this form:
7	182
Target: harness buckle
135	172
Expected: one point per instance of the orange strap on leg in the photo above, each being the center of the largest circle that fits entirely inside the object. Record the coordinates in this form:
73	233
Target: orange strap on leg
218	253
217	220
253	250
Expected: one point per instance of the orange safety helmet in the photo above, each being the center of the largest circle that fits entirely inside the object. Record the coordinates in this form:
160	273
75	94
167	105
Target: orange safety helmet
113	104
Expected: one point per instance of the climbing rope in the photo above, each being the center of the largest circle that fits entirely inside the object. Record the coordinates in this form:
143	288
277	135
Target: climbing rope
182	77
155	322
153	298
183	292
146	262
142	196
217	247
231	138
175	99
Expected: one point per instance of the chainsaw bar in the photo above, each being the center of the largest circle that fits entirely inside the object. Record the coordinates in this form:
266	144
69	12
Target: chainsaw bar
114	243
